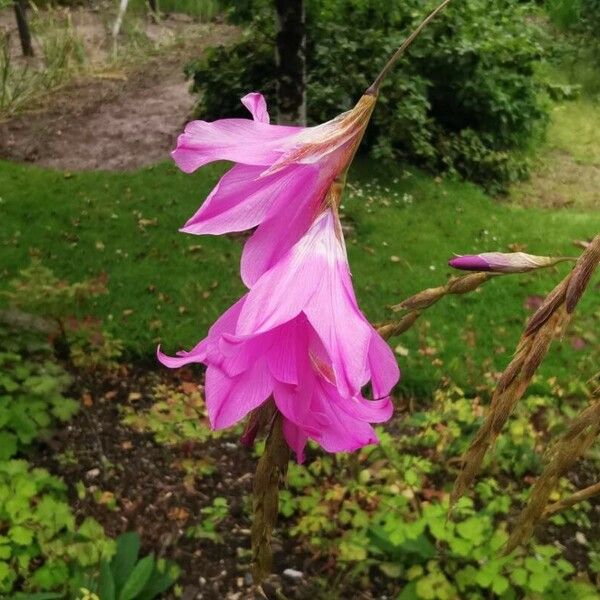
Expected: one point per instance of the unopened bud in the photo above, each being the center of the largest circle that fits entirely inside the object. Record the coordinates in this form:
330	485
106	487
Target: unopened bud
499	262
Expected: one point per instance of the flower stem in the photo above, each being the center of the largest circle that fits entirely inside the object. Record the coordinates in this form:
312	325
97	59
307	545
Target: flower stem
373	90
270	472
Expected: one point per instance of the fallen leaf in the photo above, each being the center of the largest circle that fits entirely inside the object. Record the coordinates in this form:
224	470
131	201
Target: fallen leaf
178	513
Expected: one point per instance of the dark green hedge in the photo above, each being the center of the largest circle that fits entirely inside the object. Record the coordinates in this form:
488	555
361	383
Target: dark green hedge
465	99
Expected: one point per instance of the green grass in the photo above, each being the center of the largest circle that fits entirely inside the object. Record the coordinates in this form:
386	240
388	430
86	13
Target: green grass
567	171
125	224
204	10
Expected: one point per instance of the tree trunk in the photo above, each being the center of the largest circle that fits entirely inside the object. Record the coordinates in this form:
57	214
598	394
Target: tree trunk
291	61
23	25
119	19
153	4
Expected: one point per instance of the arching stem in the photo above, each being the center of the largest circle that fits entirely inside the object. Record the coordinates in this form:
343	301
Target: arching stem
373	90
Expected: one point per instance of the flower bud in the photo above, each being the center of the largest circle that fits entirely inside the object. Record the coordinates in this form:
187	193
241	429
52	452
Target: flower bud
500	262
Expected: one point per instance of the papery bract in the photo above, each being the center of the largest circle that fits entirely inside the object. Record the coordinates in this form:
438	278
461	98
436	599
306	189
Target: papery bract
298	336
279	181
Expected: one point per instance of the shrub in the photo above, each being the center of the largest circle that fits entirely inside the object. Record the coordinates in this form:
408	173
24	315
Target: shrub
41	544
464	99
31	396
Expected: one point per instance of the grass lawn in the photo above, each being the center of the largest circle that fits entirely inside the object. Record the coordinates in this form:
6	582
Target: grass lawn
169	287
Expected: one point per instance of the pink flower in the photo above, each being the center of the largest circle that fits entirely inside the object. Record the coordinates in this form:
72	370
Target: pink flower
299	337
279	181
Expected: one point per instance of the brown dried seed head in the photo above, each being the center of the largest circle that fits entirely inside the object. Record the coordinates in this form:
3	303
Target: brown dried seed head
394	328
542	340
467	283
421	300
553	300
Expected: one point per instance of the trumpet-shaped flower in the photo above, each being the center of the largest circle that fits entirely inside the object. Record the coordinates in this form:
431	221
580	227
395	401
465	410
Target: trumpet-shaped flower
280	177
299	337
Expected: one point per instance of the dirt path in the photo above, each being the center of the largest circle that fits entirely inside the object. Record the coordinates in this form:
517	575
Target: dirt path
122	121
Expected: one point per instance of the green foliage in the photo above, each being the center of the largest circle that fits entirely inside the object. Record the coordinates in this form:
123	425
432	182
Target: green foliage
386	509
390	212
41	545
31	395
564	13
37	290
211	517
464	100
42	548
129	577
175	417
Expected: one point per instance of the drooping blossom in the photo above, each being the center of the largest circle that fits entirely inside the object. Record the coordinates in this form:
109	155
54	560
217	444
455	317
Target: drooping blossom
280	177
299	337
500	262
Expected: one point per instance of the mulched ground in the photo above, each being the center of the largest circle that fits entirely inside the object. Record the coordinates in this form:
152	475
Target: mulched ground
151	495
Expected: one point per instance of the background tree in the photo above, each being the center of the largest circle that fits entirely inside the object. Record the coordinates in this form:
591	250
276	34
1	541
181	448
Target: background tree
291	61
23	25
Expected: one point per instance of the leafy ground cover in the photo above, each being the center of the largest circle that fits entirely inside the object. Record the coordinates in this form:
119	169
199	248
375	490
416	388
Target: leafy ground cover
403	226
140	456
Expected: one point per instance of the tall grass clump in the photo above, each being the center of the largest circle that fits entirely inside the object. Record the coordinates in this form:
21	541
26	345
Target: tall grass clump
61	53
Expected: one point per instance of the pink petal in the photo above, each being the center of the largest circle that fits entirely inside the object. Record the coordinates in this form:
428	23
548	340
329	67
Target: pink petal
384	371
230	399
295	438
288	356
295	404
196	355
275	237
334	314
343	433
282	292
238	140
206	350
242	199
239	353
257	105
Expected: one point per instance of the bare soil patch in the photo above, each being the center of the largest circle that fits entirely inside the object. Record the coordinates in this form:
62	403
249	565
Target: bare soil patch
114	120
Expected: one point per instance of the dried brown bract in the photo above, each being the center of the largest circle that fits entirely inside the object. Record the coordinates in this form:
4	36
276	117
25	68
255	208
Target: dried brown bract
547	324
582	433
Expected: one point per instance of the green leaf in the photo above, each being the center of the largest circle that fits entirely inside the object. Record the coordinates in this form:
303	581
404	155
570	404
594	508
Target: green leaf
21	535
138	579
500	585
409	592
8	445
158	583
538	582
123	562
519	576
106	582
